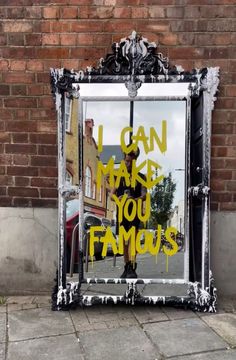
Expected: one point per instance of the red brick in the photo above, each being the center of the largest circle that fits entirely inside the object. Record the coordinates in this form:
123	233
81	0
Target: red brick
47	126
35	90
5	201
139	12
4	65
23	191
44	182
18	52
43	138
221	197
70	64
48	172
217	185
229	206
34	65
19	77
17	65
46	102
151	26
61	26
21	114
222	128
6	180
168	39
52	53
17	26
3	191
218	163
33	12
22	181
22	202
68	39
33	39
43	160
3	39
86	39
20	159
47	150
69	12
21	126
22	170
85	26
16	39
5	159
122	12
2	170
51	12
230	164
20	102
48	193
5	114
42	114
156	12
15	12
50	39
221	174
20	149
46	203
20	137
231	90
231	186
18	90
4	90
231	140
4	137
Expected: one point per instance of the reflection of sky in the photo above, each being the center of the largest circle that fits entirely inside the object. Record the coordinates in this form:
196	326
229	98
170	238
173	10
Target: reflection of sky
114	116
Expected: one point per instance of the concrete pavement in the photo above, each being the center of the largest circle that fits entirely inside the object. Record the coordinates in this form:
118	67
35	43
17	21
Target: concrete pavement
30	330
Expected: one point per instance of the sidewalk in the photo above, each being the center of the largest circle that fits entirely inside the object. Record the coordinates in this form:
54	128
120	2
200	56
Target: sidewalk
30	330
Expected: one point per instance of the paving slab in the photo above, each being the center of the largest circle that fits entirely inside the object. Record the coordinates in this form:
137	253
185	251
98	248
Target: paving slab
215	355
28	324
224	325
148	314
3	308
175	313
2	327
98	317
2	351
119	344
53	348
187	336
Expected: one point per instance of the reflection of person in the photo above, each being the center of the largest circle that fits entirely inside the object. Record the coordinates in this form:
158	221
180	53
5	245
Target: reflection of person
137	192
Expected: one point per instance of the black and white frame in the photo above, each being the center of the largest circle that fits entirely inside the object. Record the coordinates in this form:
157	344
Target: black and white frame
134	61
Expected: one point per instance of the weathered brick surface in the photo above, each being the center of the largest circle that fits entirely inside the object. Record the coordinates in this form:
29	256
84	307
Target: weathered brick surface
36	35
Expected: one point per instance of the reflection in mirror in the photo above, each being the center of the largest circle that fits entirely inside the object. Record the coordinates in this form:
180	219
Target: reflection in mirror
155	245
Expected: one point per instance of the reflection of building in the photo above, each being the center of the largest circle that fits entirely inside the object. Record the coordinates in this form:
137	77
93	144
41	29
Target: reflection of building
177	217
96	201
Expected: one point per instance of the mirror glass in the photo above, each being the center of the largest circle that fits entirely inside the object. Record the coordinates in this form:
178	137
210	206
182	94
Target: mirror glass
134	181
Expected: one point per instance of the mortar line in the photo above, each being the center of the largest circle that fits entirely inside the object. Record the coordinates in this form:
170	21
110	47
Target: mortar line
198	353
77	337
40	337
7	333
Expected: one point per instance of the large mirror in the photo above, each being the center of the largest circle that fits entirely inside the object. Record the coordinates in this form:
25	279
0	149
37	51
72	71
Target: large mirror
134	163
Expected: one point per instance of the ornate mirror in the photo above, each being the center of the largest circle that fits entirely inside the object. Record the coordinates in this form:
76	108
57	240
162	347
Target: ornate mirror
134	172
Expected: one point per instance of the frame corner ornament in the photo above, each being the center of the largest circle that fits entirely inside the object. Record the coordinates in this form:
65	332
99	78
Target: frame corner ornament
132	55
204	300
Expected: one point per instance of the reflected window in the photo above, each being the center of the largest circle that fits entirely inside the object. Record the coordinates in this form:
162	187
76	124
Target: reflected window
94	191
67	113
88	182
69	178
100	194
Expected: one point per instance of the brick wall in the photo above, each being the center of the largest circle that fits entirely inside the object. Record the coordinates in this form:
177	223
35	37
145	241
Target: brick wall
36	35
